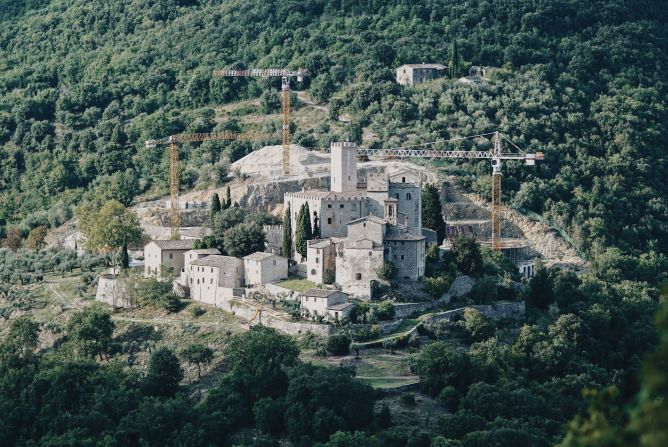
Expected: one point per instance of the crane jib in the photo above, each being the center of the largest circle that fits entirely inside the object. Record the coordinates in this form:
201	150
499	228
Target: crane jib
407	153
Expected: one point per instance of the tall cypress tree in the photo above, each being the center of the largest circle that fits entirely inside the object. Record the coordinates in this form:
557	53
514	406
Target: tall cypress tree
125	258
303	230
432	211
228	198
307	222
215	206
286	245
316	226
455	61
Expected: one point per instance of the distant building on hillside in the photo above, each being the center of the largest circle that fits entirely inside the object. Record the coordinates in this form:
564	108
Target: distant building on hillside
477	75
412	74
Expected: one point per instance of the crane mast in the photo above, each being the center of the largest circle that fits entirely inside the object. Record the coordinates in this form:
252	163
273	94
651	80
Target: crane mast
285	74
174	187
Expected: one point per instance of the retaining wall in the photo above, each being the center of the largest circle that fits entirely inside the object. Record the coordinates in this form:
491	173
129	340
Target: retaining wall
497	311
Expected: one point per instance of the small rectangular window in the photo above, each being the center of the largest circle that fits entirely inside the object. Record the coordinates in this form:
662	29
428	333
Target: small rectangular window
402	257
329	220
341	206
358	276
329	205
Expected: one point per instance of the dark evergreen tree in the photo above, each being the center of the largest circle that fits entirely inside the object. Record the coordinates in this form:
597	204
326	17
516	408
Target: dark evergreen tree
467	254
228	198
303	232
316	226
286	244
455	60
164	374
125	257
432	211
215	207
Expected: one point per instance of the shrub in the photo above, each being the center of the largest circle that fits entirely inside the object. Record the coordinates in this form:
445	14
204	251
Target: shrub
450	397
437	285
328	277
171	303
477	325
386	271
338	344
407	400
197	311
384	311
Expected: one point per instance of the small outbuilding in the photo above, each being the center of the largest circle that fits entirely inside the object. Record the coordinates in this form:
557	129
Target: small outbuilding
263	268
333	305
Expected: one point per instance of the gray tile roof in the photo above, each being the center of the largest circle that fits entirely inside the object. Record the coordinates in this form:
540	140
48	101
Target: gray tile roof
396	233
216	261
434	66
184	244
258	256
321	293
370	219
206	251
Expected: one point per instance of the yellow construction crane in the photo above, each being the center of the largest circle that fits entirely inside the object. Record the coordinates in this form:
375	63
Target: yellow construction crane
173	142
285	74
495	156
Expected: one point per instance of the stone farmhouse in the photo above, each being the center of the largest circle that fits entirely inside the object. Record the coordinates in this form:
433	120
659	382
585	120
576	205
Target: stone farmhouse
165	255
363	225
332	305
412	74
215	278
263	268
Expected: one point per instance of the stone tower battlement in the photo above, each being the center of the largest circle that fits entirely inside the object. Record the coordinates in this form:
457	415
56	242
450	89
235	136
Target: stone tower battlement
344	167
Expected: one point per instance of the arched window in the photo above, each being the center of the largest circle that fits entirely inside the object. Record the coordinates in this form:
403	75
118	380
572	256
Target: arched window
408	196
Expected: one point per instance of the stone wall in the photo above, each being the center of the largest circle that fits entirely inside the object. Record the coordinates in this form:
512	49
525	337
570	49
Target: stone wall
277	290
403	310
247	311
497	311
112	291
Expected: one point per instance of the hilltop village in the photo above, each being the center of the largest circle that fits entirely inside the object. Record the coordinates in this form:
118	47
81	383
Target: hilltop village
367	239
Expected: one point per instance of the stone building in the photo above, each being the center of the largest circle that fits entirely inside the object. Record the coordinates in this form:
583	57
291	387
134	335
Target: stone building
262	268
320	258
349	200
165	255
215	277
332	305
185	280
363	225
371	242
411	74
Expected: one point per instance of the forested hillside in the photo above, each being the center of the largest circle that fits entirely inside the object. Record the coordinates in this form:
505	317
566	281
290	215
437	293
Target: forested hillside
83	83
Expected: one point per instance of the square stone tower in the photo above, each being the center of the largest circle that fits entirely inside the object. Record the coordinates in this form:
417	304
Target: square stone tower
344	167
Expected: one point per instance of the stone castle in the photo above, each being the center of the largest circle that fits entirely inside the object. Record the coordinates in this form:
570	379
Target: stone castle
363	225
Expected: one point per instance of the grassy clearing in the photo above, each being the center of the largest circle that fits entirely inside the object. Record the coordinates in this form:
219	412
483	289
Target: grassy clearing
298	285
389	382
